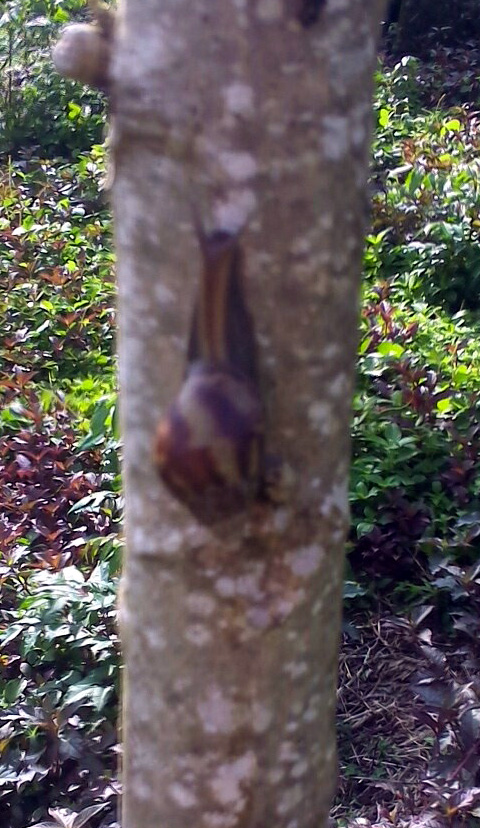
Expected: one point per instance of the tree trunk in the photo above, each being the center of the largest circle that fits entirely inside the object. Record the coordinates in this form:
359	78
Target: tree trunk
253	114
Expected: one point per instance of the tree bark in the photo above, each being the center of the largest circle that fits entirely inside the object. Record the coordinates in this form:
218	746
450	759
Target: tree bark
230	635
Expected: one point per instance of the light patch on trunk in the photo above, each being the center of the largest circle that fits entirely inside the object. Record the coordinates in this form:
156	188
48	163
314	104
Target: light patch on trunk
155	639
331	352
217	819
296	669
262	717
216	712
288	753
312	712
340	386
247	585
259	618
336	500
305	561
163	294
269	10
201	604
275	776
240	166
172	542
321	417
225	587
301	246
182	796
335	137
239	99
198	634
234	212
228	779
299	769
289	799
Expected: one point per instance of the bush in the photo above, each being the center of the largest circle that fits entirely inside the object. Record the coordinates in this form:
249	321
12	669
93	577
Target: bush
61	509
416	432
415	25
59	694
41	112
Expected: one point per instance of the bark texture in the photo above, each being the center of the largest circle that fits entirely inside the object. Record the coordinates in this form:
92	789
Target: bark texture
230	636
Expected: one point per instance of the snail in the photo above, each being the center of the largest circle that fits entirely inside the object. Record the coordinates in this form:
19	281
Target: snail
209	448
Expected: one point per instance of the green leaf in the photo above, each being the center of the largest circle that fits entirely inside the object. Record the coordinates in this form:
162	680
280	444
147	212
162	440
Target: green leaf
74	110
45	825
444	405
83	817
352	590
383	117
364	528
90	693
453	125
13	689
390	349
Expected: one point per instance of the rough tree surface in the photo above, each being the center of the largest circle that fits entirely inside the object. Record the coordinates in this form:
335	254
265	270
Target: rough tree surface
231	637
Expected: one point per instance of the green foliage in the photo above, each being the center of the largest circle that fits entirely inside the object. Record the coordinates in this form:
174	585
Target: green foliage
59	447
416	429
58	692
38	108
419	26
56	270
70	819
427	199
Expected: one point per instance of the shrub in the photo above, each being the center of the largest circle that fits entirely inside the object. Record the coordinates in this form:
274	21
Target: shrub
41	112
58	690
415	428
